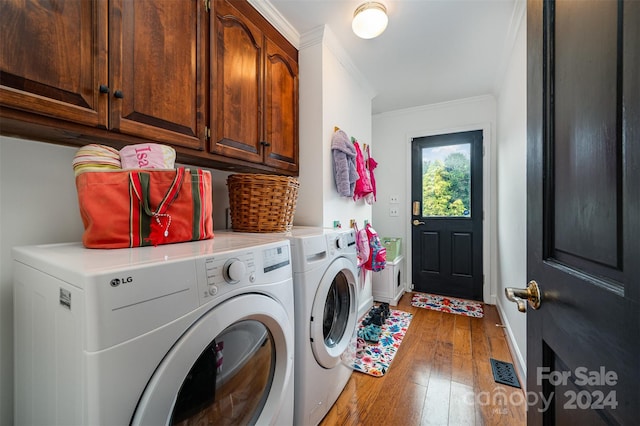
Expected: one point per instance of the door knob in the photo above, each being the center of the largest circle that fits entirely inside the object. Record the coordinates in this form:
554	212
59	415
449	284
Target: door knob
519	295
417	222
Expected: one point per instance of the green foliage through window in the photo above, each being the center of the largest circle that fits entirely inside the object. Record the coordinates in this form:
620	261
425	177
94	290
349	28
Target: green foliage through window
446	184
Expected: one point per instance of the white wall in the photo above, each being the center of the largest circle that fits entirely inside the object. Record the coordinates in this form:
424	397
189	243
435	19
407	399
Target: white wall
313	185
38	204
332	94
512	193
392	134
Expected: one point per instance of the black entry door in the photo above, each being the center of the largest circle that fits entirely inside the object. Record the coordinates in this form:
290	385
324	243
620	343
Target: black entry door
446	238
583	203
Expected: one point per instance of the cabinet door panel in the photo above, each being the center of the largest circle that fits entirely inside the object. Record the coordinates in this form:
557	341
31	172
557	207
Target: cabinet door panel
281	109
54	58
237	96
157	67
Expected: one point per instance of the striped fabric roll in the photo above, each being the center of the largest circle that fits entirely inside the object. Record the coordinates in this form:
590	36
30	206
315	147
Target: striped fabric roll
94	158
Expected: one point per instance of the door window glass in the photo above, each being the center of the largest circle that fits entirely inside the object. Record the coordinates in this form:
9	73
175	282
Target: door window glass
446	181
336	311
230	381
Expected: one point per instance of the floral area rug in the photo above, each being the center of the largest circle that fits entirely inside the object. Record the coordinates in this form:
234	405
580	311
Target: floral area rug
375	358
451	305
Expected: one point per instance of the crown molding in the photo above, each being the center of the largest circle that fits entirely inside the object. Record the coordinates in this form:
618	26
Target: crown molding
275	18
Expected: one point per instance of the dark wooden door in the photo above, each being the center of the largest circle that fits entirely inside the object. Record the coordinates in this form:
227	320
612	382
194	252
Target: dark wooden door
237	78
159	80
281	106
447	213
54	59
583	203
255	95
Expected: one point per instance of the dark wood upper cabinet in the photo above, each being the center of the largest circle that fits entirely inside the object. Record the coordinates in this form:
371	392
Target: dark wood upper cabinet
255	96
237	84
219	85
54	56
281	103
157	58
118	65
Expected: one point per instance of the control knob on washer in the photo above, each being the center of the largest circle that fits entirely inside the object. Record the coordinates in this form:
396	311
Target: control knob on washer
234	271
340	242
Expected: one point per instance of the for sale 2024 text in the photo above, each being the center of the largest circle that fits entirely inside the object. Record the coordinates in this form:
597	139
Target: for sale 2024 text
600	383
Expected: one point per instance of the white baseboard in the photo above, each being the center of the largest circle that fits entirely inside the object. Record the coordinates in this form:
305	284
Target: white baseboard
516	354
492	300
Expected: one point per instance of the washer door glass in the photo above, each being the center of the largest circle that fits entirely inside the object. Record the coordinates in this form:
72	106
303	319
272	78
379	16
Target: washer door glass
230	381
336	310
234	365
336	303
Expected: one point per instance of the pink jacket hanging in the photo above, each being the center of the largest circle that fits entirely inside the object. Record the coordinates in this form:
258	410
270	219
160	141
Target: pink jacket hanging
363	184
371	165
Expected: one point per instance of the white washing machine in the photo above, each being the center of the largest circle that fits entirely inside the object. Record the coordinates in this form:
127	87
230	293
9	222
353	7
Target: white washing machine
182	333
326	311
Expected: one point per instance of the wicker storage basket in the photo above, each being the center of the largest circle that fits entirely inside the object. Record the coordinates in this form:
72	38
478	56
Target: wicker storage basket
262	203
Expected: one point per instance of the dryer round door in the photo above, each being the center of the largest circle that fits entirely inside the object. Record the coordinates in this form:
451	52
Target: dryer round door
232	366
334	313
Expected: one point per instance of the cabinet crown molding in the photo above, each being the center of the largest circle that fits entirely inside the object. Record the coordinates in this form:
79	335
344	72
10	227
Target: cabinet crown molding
275	18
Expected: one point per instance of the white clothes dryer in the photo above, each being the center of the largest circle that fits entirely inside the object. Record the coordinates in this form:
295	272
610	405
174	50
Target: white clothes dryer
326	311
175	334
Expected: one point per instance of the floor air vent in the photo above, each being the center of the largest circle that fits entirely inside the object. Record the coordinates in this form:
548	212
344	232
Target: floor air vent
504	373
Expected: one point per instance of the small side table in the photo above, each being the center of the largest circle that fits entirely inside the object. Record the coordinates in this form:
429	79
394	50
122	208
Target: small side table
388	284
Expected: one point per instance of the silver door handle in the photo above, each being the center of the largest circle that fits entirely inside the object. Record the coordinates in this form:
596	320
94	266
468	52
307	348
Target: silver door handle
417	222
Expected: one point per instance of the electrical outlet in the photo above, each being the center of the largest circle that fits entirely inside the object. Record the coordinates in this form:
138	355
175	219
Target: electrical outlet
393	211
394	199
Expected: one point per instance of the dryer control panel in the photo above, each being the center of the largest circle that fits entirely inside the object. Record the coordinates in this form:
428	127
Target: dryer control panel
342	242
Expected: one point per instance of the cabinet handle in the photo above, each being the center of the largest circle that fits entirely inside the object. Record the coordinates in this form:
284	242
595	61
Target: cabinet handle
265	143
118	94
104	89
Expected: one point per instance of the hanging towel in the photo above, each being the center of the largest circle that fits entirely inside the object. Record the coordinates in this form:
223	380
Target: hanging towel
363	187
344	163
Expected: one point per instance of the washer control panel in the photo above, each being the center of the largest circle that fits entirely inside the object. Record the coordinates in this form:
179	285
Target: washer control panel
230	273
222	271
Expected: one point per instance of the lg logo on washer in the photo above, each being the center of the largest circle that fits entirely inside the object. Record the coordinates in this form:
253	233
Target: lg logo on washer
117	281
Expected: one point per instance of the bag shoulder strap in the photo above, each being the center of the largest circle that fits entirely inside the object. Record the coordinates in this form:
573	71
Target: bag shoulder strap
140	185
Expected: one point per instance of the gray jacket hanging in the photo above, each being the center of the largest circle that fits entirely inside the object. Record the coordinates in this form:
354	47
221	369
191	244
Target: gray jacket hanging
344	163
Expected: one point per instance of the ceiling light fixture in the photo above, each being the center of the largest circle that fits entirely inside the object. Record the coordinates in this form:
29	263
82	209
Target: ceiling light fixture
369	20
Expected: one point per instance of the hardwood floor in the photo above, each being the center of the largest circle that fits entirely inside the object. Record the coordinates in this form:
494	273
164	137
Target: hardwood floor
441	375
